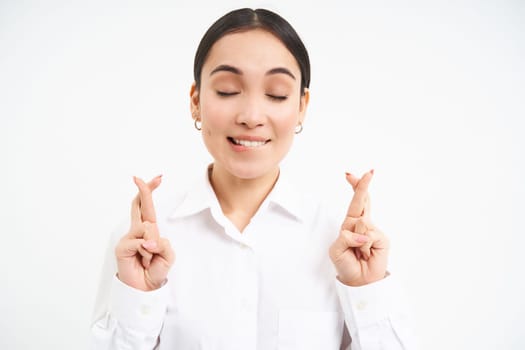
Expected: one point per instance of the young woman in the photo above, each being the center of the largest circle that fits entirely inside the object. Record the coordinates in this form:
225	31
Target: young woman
260	265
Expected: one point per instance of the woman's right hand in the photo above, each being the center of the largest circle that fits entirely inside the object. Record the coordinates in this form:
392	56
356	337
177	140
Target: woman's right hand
143	257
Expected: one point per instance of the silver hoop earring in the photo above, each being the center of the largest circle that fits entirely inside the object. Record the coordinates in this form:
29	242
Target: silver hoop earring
197	124
299	128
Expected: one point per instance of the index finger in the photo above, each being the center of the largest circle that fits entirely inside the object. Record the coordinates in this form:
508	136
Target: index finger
358	203
147	209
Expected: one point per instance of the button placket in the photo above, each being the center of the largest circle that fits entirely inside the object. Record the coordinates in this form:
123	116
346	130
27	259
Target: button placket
361	305
248	300
145	310
246	291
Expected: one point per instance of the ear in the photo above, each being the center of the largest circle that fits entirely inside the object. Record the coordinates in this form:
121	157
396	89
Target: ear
303	104
194	102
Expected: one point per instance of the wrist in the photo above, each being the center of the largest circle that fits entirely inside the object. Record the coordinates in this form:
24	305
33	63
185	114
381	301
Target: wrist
361	281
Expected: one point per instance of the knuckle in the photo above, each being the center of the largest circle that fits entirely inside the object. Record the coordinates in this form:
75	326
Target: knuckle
331	252
346	236
135	231
349	221
118	248
360	227
164	242
344	233
123	247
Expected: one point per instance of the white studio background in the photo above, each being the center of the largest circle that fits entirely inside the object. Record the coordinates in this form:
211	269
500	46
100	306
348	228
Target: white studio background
429	93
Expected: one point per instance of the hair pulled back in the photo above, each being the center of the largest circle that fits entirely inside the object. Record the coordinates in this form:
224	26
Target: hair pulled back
247	19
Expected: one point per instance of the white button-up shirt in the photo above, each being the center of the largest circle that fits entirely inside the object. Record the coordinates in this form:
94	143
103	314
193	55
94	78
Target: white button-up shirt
272	286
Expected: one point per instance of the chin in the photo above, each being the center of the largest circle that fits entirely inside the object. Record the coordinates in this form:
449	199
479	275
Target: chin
251	171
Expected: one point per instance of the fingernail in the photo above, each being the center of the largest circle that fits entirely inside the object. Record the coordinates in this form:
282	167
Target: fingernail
348	174
372	171
159	176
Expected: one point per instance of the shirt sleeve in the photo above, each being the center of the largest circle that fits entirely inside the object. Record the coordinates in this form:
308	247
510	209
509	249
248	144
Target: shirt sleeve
377	316
124	317
133	320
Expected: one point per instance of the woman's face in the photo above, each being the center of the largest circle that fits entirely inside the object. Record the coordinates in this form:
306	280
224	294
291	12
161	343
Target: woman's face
249	103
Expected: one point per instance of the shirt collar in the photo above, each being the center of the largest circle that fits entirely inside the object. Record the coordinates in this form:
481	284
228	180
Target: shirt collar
201	196
286	196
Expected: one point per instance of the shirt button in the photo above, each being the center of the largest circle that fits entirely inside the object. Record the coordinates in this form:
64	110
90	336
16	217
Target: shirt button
361	305
145	310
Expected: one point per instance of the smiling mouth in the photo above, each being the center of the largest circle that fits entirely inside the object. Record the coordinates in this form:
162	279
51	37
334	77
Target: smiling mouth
247	143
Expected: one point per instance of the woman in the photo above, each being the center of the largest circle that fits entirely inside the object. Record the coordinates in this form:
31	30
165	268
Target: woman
259	265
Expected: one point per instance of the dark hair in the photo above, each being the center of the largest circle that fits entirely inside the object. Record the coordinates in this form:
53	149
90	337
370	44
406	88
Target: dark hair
247	19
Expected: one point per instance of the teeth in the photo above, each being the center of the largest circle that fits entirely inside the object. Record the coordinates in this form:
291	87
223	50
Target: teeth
246	143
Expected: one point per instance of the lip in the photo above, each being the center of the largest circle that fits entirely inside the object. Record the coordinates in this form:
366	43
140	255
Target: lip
252	138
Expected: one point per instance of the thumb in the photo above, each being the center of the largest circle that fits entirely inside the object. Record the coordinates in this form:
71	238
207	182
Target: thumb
347	239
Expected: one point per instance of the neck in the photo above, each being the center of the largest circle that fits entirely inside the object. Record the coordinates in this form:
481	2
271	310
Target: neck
240	198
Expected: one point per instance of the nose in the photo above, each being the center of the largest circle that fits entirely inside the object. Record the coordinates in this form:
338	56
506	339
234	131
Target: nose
252	113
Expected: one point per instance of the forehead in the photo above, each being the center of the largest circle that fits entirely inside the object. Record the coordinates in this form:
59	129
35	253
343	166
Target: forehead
252	50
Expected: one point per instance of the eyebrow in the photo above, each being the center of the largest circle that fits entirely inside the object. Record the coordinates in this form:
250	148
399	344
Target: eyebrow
226	68
234	70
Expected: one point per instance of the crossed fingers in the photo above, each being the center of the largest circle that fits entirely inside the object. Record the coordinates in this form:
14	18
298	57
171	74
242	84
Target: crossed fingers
358	215
144	221
360	204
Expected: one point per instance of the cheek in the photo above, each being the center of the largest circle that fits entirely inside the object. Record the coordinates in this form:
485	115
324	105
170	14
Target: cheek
286	119
214	115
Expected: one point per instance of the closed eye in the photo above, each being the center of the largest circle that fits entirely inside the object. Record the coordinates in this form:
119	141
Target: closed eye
226	93
277	97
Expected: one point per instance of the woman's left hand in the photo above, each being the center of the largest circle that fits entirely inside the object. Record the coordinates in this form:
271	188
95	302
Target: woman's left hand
360	252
